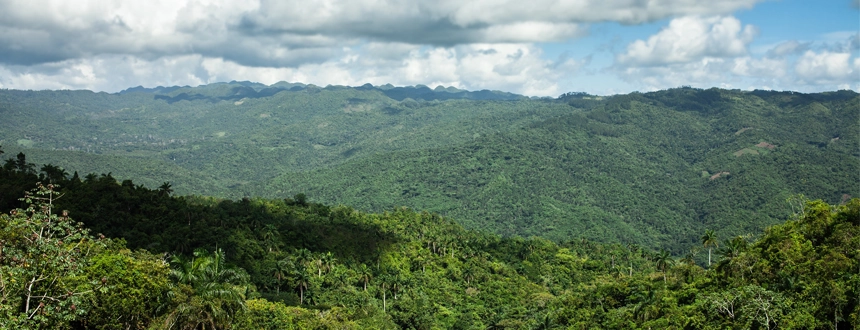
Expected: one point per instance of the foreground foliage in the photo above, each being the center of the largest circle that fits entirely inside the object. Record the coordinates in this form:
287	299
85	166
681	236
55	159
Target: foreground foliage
42	265
295	264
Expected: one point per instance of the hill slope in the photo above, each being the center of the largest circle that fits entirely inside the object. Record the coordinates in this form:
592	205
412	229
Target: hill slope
242	134
653	169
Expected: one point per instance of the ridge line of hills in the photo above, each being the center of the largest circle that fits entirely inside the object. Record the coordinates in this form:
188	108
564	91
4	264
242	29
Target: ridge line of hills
246	89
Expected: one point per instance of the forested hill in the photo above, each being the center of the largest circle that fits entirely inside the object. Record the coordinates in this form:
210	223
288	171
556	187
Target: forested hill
647	168
228	139
293	264
652	169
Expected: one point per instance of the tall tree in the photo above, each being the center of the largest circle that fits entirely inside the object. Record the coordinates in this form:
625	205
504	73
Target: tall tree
709	240
52	174
217	291
663	260
328	261
165	189
302	281
365	273
22	165
270	237
282	268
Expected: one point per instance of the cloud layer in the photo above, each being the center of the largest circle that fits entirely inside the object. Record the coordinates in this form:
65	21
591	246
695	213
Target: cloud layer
714	51
494	44
688	39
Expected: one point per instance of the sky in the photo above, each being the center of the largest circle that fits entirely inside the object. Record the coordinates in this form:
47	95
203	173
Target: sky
535	48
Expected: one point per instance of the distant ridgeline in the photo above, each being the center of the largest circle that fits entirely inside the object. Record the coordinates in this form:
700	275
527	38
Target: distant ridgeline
654	169
245	89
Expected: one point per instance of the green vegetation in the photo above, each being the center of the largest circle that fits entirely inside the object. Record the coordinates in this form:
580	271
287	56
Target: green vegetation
651	169
228	139
291	263
682	208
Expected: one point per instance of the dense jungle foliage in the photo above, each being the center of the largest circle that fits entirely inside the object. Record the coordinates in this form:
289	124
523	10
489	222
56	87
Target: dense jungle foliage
650	169
143	258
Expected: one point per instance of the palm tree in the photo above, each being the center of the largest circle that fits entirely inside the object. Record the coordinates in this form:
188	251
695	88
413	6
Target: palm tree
645	307
421	258
165	189
318	260
281	268
329	260
733	248
386	283
337	276
217	291
546	323
383	296
270	235
53	174
365	273
629	258
468	274
397	282
709	240
302	280
663	260
302	256
730	251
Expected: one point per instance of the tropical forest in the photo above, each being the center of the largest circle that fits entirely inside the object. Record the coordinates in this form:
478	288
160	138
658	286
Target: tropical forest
241	205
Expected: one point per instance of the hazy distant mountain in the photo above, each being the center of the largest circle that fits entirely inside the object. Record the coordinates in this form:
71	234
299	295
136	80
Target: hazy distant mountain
251	89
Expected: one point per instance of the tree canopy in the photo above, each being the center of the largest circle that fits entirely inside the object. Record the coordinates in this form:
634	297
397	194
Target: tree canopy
261	263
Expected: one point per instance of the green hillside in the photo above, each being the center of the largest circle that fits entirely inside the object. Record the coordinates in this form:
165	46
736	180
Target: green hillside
242	137
652	169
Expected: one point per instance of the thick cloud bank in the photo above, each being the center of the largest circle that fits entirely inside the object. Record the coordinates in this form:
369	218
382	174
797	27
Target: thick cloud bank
485	44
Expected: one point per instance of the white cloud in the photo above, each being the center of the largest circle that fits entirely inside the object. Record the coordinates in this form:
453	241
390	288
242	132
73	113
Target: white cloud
811	72
827	68
713	51
762	68
741	72
107	73
518	68
690	39
465	13
702	73
267	33
531	32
